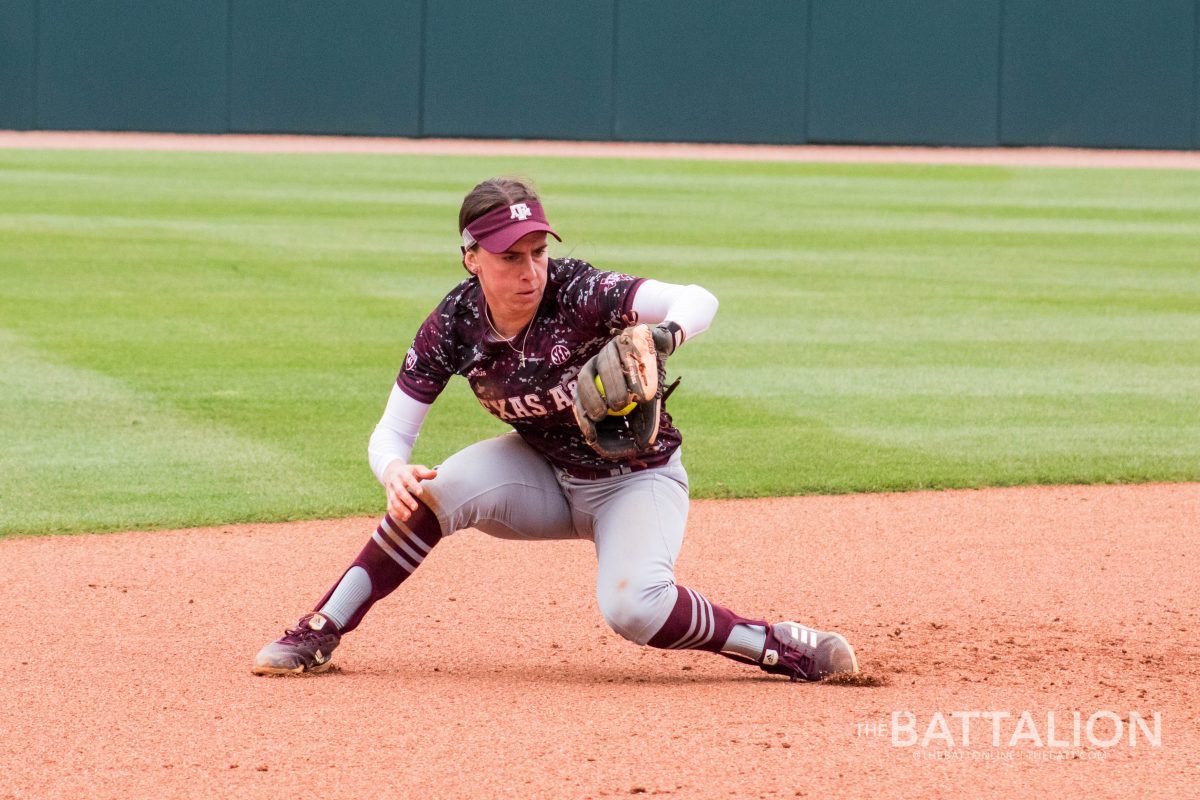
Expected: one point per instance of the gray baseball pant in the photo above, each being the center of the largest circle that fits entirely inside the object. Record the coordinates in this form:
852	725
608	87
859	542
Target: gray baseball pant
505	488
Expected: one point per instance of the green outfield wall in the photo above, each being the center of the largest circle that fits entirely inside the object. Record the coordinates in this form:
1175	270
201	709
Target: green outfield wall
1093	73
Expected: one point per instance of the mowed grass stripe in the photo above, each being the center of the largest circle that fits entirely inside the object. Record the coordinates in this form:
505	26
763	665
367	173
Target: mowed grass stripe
881	327
83	451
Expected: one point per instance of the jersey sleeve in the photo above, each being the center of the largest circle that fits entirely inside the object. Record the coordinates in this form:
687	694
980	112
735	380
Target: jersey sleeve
428	364
599	299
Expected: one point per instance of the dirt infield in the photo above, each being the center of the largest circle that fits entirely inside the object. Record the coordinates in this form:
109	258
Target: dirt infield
491	674
256	143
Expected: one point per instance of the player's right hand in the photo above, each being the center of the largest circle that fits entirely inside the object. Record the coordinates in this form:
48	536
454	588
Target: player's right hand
403	484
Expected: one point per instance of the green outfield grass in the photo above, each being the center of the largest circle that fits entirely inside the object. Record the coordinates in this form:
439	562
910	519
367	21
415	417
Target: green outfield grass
204	338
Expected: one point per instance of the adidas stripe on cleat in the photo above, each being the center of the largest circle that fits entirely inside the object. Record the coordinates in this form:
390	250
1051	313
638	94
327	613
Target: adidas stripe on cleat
806	654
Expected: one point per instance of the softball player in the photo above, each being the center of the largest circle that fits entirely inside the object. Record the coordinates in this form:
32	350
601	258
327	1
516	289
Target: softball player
521	329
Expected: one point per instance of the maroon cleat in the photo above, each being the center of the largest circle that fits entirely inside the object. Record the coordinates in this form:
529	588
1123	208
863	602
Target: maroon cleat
806	654
304	648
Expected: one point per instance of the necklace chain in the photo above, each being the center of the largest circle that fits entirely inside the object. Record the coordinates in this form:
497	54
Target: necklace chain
488	316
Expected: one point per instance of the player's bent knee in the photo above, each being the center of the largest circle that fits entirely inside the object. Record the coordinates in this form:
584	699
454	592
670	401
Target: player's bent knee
636	613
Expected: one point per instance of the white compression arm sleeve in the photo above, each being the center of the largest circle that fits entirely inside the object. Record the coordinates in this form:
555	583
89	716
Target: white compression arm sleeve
692	307
396	432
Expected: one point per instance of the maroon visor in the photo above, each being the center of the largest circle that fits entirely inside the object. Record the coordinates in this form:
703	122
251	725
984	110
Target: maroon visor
499	229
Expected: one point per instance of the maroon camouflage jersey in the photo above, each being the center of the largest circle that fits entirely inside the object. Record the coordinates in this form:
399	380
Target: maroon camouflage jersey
582	309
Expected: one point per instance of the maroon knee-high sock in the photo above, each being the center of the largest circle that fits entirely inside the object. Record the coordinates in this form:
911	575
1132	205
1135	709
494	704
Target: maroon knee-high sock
697	624
392	553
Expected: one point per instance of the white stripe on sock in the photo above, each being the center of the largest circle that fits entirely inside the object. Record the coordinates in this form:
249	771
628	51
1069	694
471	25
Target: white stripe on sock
710	618
412	536
712	624
697	628
707	626
691	630
402	543
399	559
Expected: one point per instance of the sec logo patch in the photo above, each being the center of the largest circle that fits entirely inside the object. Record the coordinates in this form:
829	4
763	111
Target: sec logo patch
559	354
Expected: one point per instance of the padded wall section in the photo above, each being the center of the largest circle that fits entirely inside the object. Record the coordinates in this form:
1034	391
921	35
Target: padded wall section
311	66
904	72
1099	73
151	65
703	70
1196	84
17	59
538	69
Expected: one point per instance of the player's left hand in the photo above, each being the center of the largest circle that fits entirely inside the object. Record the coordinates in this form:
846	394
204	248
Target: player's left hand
403	484
667	337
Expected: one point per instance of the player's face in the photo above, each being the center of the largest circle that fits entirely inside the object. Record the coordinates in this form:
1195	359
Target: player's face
513	281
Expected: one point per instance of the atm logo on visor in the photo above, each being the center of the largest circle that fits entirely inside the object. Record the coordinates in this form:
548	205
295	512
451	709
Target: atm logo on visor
519	212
